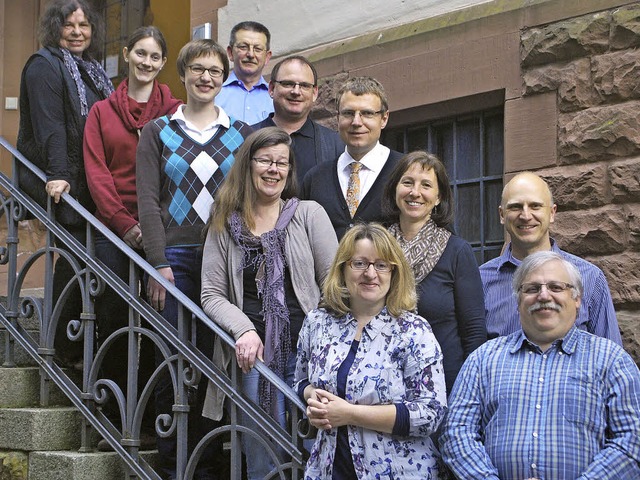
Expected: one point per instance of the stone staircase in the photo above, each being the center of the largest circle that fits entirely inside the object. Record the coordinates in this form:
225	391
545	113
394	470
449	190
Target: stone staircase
39	443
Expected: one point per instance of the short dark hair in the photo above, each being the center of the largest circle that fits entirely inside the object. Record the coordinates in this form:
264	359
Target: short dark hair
361	86
200	48
54	17
443	214
294	58
253	27
141	33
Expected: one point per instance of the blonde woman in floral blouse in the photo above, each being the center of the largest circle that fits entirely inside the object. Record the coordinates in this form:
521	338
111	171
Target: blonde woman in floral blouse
369	370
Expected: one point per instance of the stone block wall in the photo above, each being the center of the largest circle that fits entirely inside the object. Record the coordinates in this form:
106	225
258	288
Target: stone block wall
592	63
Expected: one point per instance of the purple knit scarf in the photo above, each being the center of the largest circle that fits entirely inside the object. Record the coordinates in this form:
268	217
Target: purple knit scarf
271	263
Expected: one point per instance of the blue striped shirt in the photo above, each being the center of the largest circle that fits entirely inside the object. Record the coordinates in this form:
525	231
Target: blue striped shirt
596	313
570	412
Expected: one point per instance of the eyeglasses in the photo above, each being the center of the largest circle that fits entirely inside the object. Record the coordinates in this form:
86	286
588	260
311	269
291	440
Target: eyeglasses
290	85
366	114
267	162
536	288
257	49
379	265
214	72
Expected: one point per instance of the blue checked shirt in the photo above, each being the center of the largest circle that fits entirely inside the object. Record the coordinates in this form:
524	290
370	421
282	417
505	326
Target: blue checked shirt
571	412
596	314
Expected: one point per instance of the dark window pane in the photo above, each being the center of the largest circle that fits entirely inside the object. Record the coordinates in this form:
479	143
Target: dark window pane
417	139
444	147
394	139
479	256
468	213
494	144
493	228
468	154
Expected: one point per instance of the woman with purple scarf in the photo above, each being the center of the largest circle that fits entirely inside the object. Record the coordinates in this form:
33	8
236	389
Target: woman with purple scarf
265	256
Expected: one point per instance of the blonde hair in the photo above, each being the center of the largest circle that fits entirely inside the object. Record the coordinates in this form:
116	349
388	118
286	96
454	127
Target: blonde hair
402	290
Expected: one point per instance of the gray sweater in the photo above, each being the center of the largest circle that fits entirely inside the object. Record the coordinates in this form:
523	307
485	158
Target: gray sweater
310	247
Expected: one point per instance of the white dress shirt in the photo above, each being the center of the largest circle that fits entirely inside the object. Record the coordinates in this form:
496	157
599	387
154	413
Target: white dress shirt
372	164
205	134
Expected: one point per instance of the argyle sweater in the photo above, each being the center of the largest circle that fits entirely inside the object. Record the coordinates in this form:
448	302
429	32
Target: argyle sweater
176	180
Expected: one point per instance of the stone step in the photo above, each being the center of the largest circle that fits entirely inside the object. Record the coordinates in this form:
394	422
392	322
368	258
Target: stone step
65	465
46	429
25	388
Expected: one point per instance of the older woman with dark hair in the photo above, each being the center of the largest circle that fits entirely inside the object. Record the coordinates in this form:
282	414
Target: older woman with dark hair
265	255
59	85
369	369
418	197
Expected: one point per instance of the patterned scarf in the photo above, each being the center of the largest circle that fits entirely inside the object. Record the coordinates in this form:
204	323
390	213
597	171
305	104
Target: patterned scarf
269	251
96	73
425	249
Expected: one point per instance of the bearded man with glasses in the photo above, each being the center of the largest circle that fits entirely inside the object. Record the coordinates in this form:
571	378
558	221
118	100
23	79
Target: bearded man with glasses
245	94
294	89
549	401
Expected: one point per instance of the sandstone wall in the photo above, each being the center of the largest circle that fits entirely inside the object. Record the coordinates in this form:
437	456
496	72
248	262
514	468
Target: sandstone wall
592	63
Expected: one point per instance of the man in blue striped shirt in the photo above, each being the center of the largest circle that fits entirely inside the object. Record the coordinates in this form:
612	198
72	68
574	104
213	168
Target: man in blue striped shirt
549	401
527	210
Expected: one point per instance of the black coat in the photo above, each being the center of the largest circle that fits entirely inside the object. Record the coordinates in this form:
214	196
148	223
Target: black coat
51	128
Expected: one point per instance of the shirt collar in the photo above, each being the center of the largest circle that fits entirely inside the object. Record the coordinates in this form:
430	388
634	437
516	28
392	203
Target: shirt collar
233	79
306	129
223	118
567	344
374	160
375	326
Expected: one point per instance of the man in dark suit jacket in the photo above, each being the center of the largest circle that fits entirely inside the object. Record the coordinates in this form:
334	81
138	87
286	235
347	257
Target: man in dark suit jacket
294	89
363	112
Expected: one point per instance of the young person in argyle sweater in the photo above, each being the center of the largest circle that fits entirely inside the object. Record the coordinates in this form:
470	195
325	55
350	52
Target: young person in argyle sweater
181	161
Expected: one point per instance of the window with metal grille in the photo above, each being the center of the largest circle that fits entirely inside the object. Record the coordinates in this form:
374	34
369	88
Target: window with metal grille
472	149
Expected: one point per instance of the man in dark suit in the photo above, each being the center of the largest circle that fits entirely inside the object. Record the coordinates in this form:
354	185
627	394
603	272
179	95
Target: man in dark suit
350	187
294	89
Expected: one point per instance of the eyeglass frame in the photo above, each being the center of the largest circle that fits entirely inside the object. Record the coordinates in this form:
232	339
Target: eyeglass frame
565	286
390	265
364	114
245	47
291	85
282	166
208	70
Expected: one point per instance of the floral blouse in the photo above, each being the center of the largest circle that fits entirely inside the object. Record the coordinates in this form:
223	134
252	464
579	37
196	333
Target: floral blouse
398	361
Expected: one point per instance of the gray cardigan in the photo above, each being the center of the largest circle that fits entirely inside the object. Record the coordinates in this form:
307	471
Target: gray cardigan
310	247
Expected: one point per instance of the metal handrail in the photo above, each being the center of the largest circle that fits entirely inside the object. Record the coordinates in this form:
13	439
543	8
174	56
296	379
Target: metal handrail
16	206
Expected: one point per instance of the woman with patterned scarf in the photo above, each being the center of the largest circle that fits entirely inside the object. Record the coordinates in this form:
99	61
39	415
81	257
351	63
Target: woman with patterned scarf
265	256
450	296
59	85
110	141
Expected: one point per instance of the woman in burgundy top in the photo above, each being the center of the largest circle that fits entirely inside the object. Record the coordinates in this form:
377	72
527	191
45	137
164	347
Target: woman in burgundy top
110	141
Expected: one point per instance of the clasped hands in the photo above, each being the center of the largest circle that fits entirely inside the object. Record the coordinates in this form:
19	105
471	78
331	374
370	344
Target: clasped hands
326	410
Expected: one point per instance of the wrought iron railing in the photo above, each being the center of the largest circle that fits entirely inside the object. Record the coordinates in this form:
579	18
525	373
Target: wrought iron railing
185	367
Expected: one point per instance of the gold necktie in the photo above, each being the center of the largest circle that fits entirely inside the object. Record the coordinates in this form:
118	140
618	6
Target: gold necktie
353	188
